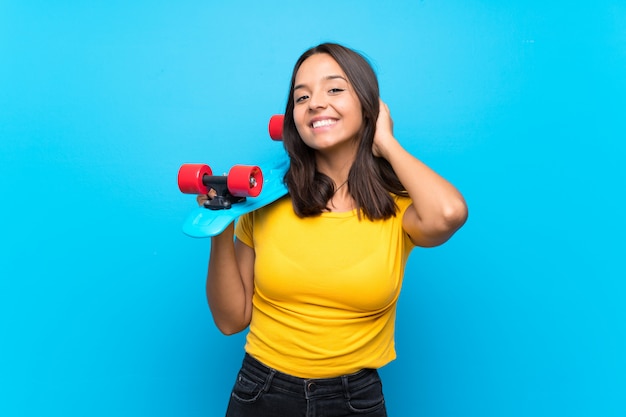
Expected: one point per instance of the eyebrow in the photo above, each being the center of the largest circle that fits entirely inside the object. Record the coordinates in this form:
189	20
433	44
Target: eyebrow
326	78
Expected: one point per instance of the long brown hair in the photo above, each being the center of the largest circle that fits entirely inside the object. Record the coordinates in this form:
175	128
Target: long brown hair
371	179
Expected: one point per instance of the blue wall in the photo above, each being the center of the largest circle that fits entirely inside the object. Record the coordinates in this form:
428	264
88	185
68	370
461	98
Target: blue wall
522	106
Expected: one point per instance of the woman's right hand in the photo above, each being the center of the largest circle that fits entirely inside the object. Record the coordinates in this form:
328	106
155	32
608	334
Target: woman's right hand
201	198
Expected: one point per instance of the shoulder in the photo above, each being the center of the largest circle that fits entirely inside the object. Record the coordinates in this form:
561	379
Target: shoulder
248	223
403	203
280	207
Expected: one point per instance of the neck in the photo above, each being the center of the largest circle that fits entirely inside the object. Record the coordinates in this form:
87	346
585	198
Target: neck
341	200
337	167
340	186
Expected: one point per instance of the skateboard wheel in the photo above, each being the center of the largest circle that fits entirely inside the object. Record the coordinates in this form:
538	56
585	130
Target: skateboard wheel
190	178
245	181
276	127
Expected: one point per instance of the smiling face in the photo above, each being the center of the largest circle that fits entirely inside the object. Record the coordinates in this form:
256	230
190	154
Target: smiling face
327	112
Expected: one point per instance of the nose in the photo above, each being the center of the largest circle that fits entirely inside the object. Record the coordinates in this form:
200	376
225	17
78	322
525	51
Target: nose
317	101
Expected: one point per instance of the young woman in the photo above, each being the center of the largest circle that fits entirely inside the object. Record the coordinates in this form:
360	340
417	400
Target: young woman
316	275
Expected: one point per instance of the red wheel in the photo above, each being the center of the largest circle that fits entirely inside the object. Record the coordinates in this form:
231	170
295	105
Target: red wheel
190	178
245	181
276	127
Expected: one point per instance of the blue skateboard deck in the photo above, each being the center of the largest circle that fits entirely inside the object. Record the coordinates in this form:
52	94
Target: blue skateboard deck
244	189
203	222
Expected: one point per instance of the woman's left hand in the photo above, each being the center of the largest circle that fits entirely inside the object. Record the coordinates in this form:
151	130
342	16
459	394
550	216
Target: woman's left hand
438	209
383	136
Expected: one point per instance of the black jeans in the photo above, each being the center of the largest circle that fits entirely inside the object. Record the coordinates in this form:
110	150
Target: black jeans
263	392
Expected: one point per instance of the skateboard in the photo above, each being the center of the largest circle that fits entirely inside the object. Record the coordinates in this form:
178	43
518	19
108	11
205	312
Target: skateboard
244	189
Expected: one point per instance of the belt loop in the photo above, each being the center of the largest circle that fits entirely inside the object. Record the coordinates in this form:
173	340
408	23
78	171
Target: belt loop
346	387
268	380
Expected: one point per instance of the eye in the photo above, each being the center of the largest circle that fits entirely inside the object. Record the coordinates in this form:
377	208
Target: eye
335	90
300	99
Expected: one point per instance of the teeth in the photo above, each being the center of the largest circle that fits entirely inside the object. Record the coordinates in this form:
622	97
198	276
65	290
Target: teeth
325	122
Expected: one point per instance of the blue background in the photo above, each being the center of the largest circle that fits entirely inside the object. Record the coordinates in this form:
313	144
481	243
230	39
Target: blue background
521	105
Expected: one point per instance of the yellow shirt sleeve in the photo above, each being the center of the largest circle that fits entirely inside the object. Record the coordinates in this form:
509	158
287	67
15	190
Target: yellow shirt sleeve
243	229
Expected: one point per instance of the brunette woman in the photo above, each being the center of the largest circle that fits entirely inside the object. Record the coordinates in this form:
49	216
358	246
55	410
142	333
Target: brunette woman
316	275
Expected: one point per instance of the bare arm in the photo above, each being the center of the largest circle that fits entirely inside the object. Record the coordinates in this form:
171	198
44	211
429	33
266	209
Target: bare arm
438	209
230	282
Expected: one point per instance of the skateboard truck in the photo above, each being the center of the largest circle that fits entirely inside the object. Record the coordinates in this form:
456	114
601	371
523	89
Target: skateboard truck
223	199
242	181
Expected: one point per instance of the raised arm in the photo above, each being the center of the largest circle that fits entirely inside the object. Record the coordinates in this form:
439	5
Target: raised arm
438	209
230	282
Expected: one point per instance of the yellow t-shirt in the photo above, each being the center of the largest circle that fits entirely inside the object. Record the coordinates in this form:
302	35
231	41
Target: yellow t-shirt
325	289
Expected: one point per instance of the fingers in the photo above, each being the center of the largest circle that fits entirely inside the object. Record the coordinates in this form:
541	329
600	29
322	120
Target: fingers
383	137
384	115
201	198
384	122
383	105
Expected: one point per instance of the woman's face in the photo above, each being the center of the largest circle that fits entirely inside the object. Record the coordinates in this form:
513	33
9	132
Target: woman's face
327	111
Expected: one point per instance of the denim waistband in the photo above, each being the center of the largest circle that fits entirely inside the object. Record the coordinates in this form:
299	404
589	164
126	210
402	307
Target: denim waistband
309	387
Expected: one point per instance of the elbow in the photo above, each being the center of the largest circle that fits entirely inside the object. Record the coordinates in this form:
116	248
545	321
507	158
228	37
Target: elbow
229	331
229	327
438	228
455	215
452	218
